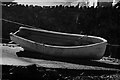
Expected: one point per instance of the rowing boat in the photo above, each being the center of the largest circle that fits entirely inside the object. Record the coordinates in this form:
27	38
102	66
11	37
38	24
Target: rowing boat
60	44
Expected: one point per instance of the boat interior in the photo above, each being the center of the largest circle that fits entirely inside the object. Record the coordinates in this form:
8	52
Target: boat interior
56	39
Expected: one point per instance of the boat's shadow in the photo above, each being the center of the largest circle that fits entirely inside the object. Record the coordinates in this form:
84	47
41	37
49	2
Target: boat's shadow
87	62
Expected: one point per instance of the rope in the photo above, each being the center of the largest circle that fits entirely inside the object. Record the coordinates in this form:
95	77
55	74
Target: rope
5	39
16	23
115	45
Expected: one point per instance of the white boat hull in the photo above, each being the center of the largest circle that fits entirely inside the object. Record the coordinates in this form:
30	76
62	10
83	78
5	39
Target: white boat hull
93	51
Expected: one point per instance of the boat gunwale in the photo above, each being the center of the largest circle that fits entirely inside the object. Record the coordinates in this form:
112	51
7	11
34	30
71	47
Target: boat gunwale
65	47
62	33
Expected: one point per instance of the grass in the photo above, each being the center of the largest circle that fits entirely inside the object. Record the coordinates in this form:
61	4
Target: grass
38	73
